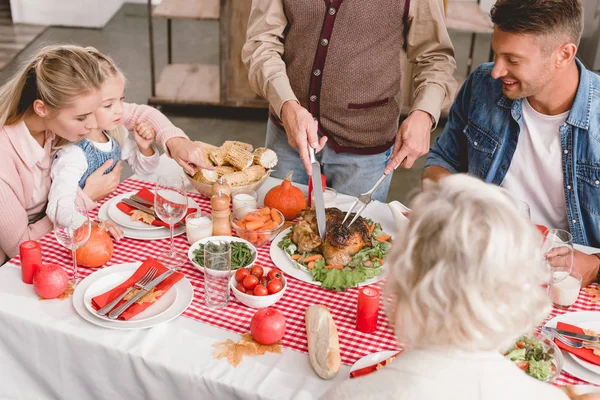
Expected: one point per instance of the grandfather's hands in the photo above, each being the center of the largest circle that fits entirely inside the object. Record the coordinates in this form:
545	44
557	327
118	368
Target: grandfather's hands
191	156
301	130
412	140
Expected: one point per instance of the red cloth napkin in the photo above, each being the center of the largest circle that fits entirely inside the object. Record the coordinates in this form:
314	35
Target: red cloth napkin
101	300
584	354
149	196
542	229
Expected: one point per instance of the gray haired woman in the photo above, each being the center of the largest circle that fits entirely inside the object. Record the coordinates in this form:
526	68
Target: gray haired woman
466	280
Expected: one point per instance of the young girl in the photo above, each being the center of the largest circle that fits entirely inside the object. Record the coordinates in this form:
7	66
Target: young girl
109	142
55	94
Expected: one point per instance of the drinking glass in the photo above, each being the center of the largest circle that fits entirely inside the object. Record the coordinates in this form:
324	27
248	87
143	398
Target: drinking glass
72	227
558	253
217	270
170	205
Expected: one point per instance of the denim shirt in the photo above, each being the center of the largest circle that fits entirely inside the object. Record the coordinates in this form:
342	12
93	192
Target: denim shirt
95	158
481	137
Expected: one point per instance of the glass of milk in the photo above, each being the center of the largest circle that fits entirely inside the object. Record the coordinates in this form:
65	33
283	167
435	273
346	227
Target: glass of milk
329	198
198	226
245	198
564	293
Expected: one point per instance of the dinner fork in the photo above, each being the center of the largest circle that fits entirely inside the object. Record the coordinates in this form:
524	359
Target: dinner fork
144	280
365	199
573	343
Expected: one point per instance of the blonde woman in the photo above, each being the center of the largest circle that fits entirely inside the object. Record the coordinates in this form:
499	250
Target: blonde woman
466	280
55	95
108	143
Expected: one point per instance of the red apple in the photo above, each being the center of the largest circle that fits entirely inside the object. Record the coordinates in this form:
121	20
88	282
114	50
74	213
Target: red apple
267	326
50	281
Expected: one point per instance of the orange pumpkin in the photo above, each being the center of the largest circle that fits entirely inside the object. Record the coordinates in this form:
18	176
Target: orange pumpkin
97	250
287	198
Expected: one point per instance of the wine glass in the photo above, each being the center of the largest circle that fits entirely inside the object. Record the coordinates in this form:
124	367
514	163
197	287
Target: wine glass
170	205
72	227
559	254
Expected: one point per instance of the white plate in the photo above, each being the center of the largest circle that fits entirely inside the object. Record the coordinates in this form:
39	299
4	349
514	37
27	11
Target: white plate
154	234
285	263
595	326
372	359
197	244
185	294
577	318
110	281
125	220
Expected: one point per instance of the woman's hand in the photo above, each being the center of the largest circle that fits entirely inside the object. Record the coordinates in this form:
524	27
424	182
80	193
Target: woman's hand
190	156
98	185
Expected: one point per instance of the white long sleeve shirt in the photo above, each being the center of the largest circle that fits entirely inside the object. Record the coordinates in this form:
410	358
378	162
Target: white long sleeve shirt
70	165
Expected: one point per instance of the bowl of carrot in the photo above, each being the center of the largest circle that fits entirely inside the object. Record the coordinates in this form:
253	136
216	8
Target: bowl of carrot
259	226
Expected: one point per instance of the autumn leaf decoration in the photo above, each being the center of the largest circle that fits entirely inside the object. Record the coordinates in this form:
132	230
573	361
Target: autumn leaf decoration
247	346
138	215
151	297
67	293
593	292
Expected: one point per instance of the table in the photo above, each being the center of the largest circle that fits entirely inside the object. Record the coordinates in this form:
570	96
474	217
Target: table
48	351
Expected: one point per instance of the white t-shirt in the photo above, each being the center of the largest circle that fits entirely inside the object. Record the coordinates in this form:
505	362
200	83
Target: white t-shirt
535	174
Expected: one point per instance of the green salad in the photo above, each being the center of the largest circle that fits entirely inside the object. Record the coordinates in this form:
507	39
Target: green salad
241	255
533	357
365	264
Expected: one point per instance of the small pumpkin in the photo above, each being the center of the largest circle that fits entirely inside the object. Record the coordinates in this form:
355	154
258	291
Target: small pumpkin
286	198
97	250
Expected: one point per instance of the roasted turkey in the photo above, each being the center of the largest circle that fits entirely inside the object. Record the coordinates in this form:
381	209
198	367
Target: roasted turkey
341	242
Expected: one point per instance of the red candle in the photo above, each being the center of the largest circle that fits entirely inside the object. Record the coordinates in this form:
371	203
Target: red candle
31	259
368	309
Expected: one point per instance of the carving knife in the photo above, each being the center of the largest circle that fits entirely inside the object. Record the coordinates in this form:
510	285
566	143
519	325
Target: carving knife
318	192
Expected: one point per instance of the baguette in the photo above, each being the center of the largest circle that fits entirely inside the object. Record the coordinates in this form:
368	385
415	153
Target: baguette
323	342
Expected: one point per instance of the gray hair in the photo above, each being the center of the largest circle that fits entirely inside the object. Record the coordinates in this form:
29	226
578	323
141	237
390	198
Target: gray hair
467	272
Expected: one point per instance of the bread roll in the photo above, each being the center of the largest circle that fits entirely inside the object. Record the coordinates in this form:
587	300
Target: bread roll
323	343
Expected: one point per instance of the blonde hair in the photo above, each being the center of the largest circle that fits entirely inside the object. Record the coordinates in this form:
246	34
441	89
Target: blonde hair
56	75
108	69
467	272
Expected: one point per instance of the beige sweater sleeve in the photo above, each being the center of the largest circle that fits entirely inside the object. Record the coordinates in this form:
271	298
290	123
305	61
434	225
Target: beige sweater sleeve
14	225
429	49
263	50
165	130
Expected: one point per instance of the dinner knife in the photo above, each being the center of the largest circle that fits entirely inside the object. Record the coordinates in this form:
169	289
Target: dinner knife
140	207
573	335
318	192
114	314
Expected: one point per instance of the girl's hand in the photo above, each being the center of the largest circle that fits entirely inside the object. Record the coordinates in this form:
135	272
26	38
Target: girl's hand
112	228
144	136
99	185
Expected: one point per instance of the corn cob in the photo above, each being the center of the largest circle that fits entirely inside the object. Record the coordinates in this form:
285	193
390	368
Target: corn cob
238	178
255	172
264	157
218	156
225	170
245	146
206	176
207	149
239	157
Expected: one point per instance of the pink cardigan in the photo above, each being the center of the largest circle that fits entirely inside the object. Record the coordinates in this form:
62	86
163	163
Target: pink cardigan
16	180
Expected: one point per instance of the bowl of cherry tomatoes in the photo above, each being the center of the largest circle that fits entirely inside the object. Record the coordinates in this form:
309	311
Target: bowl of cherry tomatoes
257	286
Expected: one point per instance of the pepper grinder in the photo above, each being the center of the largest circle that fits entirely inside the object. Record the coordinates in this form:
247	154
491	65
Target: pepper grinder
220	214
221	185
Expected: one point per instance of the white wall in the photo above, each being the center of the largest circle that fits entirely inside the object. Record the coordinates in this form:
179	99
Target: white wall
83	13
142	1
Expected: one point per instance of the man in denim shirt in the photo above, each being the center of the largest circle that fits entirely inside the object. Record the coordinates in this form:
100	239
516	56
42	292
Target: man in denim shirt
530	122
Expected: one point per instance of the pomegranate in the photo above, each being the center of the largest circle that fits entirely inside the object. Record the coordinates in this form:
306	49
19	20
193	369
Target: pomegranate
267	326
50	281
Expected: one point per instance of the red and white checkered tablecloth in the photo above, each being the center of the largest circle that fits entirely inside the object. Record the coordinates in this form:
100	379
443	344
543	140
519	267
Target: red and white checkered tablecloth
299	295
236	317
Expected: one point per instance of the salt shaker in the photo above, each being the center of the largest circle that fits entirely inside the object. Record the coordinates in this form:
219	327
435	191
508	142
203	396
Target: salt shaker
220	214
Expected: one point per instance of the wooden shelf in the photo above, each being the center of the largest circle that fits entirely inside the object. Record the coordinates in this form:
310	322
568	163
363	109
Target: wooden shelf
196	84
188	9
467	17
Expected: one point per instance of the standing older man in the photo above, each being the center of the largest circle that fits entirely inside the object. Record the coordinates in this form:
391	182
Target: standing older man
331	72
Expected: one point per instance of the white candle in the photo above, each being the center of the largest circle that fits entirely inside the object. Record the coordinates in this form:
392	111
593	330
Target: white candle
245	199
329	198
565	292
198	227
